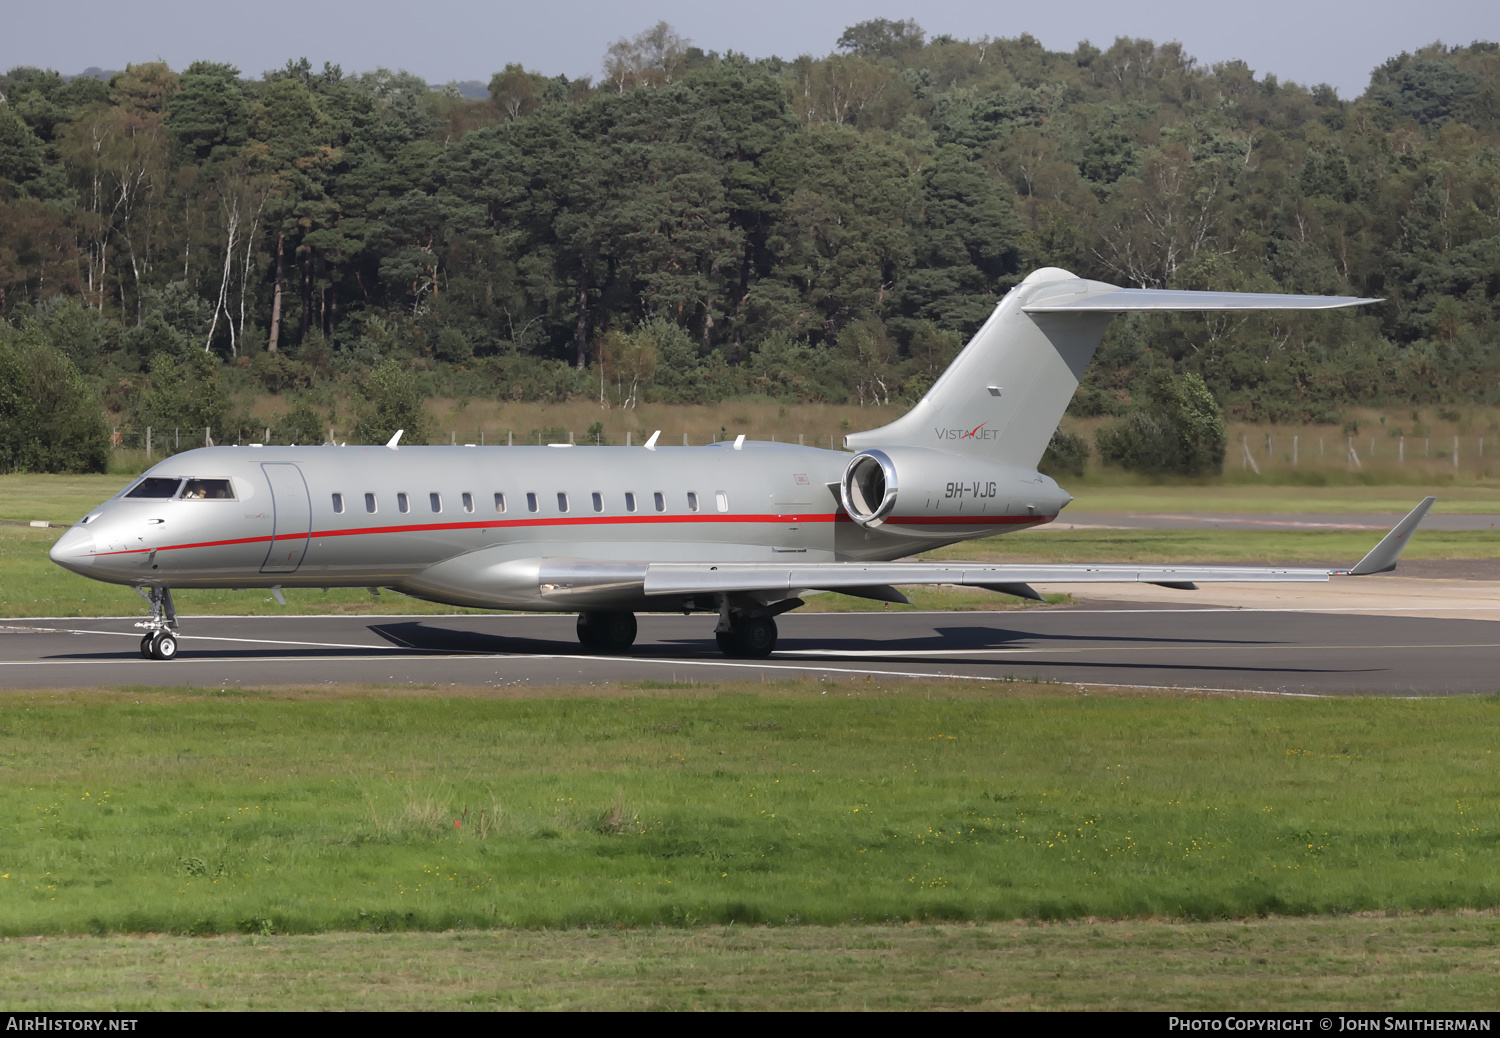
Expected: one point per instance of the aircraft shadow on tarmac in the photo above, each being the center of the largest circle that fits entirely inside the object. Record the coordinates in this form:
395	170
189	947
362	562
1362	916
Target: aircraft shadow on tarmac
424	637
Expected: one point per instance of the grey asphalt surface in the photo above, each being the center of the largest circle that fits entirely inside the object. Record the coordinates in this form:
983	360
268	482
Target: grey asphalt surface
1291	652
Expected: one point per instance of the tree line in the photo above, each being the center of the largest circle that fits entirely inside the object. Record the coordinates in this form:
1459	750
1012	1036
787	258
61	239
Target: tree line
692	225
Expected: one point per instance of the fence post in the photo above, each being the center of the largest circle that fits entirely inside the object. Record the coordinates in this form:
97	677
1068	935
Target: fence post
510	438
1401	449
1294	450
684	440
1249	460
1455	454
148	443
208	440
628	438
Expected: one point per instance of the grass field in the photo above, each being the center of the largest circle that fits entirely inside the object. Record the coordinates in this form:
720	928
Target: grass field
311	810
1349	963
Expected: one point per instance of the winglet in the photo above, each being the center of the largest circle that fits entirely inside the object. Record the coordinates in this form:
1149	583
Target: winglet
739	442
650	444
1382	558
391	443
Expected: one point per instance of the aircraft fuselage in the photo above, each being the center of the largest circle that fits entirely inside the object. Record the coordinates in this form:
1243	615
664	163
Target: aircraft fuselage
478	526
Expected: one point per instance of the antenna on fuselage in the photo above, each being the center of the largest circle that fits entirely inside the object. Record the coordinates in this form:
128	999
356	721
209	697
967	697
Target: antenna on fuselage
650	444
395	440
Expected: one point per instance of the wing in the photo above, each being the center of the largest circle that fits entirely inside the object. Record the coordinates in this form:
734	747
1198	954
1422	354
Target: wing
689	578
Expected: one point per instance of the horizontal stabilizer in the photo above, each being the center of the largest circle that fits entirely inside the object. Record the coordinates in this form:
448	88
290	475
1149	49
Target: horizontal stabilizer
1129	300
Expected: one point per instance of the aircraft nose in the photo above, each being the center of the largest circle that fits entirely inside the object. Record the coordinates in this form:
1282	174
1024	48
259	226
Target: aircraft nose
74	550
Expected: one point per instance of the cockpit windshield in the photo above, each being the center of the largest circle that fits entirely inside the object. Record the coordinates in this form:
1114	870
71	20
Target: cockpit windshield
208	490
155	486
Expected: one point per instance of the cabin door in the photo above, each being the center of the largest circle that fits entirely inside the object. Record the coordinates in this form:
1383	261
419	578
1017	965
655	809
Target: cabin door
293	518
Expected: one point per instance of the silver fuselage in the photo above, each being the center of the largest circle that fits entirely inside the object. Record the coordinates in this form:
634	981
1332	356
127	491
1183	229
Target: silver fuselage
332	517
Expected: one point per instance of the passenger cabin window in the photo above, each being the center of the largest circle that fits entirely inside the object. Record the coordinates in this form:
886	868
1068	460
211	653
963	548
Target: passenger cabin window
598	501
468	501
208	490
369	502
661	501
436	501
629	501
155	486
721	500
402	503
562	502
499	502
530	502
338	504
692	501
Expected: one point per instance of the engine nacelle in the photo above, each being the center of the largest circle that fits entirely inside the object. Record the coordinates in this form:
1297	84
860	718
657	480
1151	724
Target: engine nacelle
921	492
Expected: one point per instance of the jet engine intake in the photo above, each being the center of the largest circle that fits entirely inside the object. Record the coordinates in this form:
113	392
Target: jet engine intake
869	487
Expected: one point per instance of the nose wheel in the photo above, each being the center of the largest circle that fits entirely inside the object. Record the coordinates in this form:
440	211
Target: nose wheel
160	641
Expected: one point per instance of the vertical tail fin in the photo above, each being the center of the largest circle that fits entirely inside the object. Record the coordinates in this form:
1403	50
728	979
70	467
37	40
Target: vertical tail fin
1004	394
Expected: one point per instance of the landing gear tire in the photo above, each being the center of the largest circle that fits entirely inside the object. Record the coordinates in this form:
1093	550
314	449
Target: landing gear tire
163	645
607	631
146	646
752	637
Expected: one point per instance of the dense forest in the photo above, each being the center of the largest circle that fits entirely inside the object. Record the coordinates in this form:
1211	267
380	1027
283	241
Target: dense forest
693	226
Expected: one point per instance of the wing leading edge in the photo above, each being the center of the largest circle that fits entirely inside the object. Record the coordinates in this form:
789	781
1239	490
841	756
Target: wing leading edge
690	578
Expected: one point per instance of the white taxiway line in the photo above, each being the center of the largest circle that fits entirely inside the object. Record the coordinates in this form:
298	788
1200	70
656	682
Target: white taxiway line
195	638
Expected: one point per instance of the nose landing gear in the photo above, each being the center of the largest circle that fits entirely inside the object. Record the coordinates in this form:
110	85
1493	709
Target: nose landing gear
160	641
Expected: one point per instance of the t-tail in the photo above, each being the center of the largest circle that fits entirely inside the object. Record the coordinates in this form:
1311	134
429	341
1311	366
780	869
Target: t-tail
1002	397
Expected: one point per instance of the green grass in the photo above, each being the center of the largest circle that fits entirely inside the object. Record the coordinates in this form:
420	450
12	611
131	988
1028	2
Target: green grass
297	811
1134	495
1345	964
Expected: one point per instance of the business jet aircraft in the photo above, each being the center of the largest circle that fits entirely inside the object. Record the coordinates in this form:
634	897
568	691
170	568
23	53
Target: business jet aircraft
739	529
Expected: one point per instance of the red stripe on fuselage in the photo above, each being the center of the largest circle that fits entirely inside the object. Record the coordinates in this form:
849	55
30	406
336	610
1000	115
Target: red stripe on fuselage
838	517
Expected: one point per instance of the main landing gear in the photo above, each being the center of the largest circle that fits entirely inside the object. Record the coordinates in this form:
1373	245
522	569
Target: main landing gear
611	631
160	641
751	636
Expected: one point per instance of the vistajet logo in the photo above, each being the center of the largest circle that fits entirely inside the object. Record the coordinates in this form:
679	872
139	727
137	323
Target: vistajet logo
979	432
